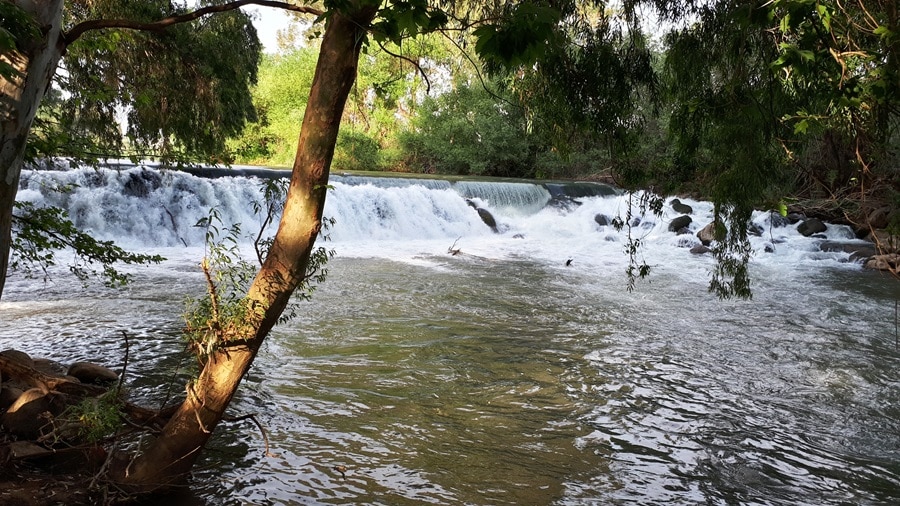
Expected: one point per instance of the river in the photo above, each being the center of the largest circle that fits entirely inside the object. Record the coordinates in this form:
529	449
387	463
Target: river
500	375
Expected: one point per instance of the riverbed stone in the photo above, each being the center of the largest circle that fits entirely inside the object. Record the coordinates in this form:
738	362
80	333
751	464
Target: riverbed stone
680	223
857	250
29	414
701	249
889	262
487	218
681	208
707	234
87	372
602	219
49	367
18	356
811	227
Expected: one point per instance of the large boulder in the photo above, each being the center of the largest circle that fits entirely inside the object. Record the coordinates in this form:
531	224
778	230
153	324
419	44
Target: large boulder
681	208
602	219
87	372
679	223
811	226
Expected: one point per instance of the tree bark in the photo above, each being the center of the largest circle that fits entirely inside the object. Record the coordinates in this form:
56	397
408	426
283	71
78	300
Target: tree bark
170	457
19	101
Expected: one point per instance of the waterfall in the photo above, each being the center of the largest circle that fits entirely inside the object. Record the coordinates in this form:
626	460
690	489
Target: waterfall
404	217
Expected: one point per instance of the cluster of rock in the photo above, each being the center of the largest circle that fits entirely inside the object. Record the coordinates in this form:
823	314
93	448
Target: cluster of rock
880	251
34	397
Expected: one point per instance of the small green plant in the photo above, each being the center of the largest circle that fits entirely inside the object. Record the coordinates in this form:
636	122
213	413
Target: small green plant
96	418
224	314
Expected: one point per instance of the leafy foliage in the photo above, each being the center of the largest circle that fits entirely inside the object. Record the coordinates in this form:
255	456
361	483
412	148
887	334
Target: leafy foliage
171	91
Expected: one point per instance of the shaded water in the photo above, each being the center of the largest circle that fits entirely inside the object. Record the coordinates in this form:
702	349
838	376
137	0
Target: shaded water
501	377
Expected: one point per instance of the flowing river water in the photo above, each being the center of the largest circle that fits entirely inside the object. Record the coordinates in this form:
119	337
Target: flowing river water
500	375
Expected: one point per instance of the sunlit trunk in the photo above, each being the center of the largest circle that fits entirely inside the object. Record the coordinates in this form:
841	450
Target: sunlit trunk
21	95
170	457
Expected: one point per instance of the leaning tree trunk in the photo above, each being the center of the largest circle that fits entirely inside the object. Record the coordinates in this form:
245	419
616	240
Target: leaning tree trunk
171	455
19	101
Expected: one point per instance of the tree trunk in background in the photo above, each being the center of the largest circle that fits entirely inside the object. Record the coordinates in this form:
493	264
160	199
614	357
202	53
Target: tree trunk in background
19	102
170	457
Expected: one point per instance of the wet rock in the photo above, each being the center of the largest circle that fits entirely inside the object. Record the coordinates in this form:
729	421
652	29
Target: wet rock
778	221
769	248
679	207
602	219
794	218
679	223
811	226
707	234
487	218
858	251
701	249
87	372
29	414
755	230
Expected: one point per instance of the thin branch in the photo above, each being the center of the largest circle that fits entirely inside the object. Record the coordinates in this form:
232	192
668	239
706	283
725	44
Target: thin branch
99	24
414	63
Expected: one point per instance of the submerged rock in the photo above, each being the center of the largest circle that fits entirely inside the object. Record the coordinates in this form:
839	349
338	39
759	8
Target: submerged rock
680	223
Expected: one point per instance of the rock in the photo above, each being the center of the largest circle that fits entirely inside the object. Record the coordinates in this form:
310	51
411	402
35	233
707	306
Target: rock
795	217
487	218
889	262
519	236
28	415
679	223
686	241
707	234
701	249
778	221
888	242
811	226
769	248
49	367
857	250
8	395
602	219
87	372
755	230
678	207
18	356
880	217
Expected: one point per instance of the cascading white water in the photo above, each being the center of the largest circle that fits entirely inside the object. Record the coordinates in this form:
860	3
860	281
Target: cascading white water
404	218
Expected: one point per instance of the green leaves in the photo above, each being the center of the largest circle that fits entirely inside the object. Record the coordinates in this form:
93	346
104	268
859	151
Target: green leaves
402	19
521	37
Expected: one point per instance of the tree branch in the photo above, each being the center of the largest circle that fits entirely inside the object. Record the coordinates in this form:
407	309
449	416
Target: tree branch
98	24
